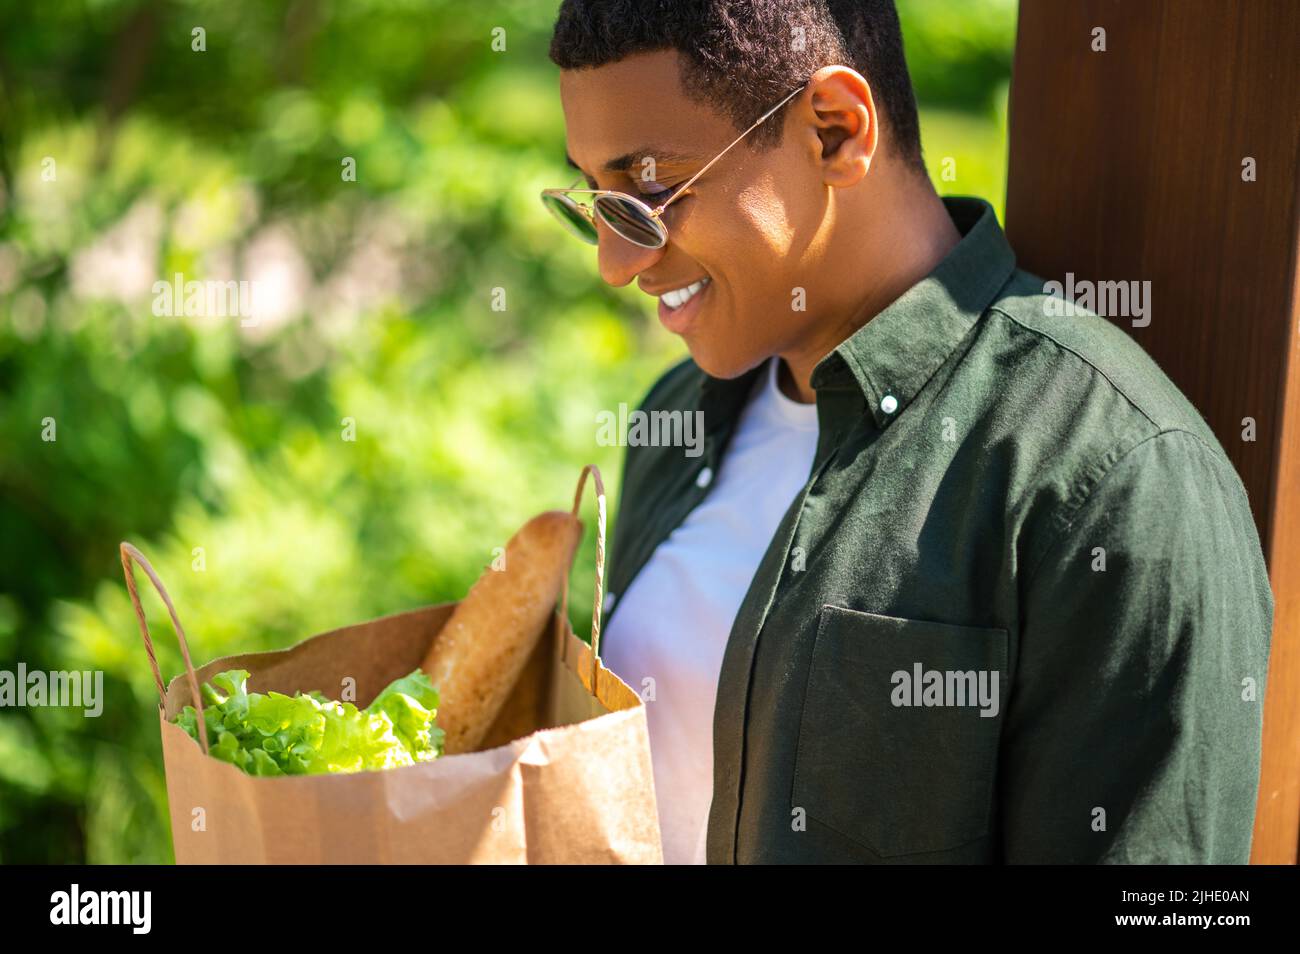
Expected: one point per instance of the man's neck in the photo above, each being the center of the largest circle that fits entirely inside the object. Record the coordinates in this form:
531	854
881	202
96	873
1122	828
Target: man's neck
910	233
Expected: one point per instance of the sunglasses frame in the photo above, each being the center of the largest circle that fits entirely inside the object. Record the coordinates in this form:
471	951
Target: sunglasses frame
652	214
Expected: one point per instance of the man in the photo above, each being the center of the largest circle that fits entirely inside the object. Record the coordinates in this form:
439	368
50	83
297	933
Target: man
953	580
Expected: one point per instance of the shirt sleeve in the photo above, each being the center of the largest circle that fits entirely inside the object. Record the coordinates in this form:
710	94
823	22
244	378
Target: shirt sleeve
1133	727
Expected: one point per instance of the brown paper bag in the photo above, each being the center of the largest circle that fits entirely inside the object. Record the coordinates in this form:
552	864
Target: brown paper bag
564	775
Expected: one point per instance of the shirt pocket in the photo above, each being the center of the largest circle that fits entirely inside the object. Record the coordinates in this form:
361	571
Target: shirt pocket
901	779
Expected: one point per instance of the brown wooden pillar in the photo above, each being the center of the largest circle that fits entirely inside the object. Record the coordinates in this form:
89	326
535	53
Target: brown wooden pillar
1173	155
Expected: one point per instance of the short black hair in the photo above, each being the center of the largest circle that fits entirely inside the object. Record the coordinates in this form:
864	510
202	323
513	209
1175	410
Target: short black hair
743	56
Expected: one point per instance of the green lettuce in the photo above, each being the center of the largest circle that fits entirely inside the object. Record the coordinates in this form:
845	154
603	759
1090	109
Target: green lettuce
307	733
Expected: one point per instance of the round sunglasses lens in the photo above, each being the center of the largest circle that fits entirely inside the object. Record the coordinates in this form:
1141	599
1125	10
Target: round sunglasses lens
631	221
571	217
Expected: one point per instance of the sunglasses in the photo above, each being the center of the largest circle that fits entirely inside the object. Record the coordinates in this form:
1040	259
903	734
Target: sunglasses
626	215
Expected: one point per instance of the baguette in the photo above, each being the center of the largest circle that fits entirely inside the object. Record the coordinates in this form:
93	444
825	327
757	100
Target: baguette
478	656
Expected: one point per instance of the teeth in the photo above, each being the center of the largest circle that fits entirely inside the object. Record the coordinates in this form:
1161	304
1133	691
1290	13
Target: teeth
680	296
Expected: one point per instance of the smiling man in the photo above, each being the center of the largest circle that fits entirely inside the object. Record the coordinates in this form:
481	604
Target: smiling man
921	487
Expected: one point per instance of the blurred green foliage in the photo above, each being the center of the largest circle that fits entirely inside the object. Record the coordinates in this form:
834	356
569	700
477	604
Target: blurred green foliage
219	449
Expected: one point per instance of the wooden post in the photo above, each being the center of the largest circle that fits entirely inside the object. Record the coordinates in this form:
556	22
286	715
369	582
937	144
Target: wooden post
1160	140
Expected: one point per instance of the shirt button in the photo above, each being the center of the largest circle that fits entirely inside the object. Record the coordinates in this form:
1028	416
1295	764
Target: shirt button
889	404
704	477
609	602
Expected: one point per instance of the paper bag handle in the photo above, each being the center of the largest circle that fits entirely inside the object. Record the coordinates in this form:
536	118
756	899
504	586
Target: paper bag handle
600	558
131	554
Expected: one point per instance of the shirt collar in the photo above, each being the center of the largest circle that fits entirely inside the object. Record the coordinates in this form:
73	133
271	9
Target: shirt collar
894	354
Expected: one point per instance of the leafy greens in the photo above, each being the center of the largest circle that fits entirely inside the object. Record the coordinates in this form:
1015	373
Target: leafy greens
306	733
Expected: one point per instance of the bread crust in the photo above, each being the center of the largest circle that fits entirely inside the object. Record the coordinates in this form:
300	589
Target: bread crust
478	656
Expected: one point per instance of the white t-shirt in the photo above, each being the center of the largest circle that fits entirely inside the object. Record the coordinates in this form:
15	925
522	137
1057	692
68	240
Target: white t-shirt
673	621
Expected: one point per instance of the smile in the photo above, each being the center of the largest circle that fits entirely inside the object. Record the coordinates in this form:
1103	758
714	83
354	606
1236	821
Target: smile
676	298
679	307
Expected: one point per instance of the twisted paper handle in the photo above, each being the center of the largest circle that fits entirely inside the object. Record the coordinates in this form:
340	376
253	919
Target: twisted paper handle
131	554
600	556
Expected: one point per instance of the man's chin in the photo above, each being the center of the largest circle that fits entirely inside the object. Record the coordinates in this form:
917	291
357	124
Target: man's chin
721	362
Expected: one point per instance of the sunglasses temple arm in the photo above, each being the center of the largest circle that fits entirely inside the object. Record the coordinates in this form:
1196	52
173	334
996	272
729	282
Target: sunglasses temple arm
758	122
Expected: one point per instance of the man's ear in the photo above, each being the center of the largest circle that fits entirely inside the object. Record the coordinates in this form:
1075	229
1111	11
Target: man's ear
843	119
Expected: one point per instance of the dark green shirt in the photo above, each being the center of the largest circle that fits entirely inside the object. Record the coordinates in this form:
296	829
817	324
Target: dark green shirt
1000	500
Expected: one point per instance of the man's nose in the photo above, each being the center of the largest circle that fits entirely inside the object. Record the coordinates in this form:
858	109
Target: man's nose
621	261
